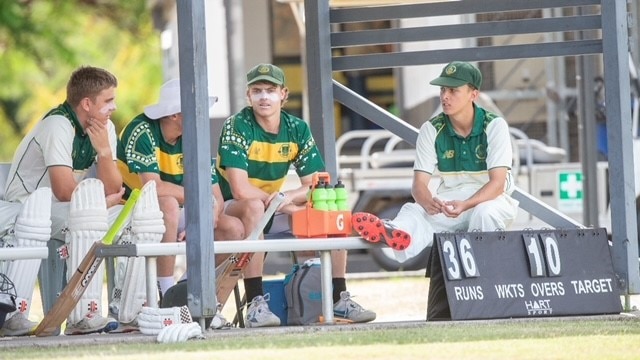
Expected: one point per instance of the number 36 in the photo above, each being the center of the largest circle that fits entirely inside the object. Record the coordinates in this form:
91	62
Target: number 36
459	258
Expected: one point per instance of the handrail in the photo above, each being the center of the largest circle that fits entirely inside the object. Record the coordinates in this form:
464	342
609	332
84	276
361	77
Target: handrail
240	246
24	253
371	137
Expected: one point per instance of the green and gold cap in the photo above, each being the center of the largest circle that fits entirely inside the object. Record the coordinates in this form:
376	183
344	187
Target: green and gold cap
265	72
457	74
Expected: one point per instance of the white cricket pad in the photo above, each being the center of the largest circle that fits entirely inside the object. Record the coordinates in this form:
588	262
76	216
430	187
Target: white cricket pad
88	223
147	227
33	224
32	229
88	207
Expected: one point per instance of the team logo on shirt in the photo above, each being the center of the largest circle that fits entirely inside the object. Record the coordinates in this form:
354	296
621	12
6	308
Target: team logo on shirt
284	150
449	154
481	152
180	162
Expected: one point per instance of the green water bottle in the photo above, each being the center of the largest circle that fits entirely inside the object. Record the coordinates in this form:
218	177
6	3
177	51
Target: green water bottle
331	197
342	202
319	197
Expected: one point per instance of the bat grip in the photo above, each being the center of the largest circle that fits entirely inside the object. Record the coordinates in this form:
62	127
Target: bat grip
122	217
273	206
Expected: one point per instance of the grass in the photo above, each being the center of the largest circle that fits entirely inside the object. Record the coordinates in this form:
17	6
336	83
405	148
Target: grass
527	339
401	334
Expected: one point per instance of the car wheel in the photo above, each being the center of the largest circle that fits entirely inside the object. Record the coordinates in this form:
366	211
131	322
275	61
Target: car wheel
384	256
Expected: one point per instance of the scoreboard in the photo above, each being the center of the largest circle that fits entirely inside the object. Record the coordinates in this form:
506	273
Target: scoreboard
484	275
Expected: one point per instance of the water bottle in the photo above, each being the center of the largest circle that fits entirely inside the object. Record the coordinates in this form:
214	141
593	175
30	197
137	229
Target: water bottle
331	197
319	197
342	202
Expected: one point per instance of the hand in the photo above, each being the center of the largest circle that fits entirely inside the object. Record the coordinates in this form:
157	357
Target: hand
453	208
153	320
434	206
286	200
99	136
115	198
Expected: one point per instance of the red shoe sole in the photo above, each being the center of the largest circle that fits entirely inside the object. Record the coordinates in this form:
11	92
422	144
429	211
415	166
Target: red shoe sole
372	229
368	226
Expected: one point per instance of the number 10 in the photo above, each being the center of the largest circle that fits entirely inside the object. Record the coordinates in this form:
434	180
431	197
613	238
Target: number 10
542	262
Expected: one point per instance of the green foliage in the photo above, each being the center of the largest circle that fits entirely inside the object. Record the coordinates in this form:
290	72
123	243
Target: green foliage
42	42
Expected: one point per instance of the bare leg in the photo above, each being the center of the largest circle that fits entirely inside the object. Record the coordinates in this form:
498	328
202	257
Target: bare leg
171	211
228	228
249	212
339	263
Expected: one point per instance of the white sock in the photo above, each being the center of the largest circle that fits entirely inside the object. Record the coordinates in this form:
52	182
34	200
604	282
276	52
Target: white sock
164	283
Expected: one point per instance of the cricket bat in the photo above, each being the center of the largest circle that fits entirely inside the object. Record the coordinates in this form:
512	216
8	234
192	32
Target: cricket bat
77	285
229	271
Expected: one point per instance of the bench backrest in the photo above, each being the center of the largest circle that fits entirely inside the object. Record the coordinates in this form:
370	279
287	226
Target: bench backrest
4	173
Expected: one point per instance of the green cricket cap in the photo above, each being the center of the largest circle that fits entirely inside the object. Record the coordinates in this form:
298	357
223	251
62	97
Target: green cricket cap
265	72
458	73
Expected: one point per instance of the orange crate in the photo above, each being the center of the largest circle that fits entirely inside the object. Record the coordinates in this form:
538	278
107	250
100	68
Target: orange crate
313	223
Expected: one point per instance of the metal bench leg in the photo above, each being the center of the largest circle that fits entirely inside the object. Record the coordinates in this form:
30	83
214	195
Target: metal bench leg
52	275
152	281
327	292
110	268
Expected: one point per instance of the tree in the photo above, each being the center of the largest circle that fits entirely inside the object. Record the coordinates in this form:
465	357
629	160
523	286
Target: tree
41	42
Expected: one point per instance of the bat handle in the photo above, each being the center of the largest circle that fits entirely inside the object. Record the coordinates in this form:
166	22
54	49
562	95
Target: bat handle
122	217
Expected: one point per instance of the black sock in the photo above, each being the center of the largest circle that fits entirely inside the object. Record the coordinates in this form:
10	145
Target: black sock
253	287
339	285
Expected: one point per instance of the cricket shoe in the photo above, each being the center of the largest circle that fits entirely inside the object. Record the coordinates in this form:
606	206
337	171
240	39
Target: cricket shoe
126	327
372	229
218	321
92	323
351	311
259	315
18	325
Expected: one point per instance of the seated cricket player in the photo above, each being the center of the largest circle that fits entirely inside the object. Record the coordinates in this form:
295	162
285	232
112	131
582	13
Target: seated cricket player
257	147
471	149
150	149
45	187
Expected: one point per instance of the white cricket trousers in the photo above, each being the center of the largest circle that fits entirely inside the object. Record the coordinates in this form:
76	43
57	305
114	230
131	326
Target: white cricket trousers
497	214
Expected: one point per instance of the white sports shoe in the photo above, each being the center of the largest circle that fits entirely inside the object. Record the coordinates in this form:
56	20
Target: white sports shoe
91	323
259	315
18	325
350	310
218	321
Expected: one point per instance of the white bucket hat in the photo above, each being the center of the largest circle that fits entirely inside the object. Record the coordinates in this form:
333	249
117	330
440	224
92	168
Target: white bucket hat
169	101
